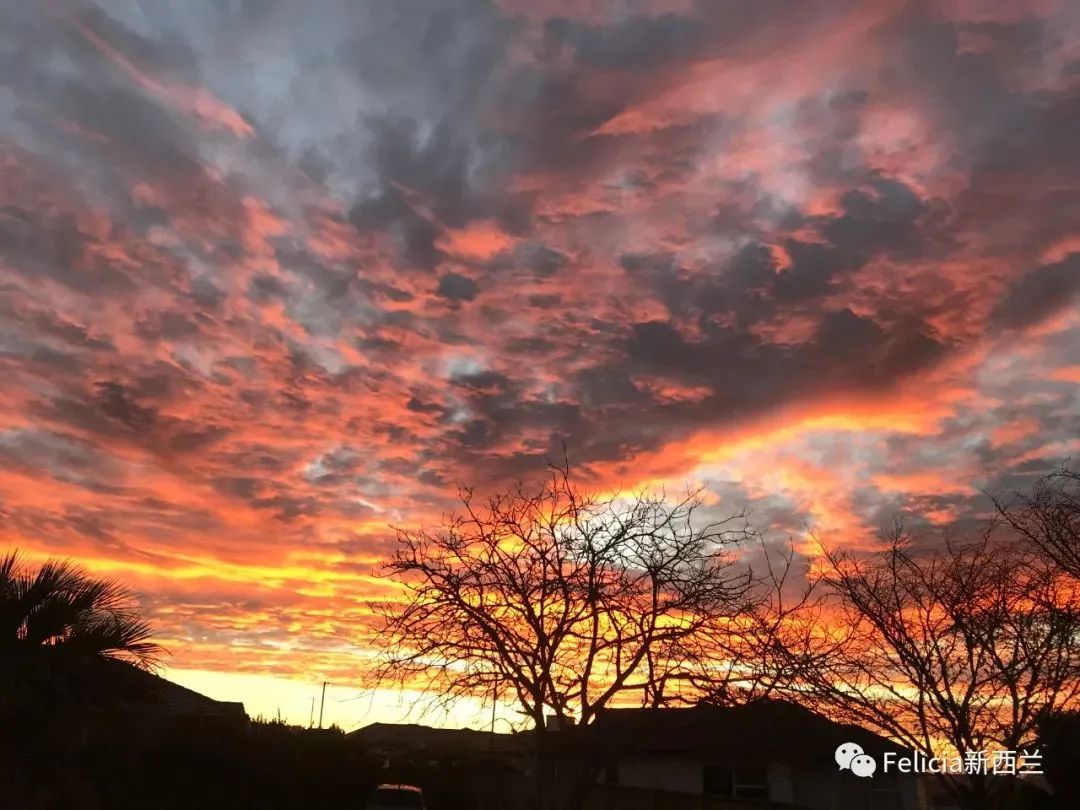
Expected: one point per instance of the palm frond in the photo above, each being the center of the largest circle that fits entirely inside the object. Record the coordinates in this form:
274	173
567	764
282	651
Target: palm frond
60	605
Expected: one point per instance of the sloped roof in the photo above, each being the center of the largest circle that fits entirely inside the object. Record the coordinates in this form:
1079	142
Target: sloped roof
427	738
140	688
763	729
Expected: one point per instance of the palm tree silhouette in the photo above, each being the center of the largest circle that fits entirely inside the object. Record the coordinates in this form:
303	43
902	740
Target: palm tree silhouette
62	608
63	636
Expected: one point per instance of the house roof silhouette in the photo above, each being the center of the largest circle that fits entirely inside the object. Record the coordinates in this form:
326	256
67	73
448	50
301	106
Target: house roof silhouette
760	729
144	690
420	738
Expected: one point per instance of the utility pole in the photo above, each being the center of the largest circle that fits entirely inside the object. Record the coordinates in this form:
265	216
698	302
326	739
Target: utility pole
494	701
322	702
311	714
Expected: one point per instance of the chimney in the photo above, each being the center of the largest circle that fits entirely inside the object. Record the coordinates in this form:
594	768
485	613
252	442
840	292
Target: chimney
552	722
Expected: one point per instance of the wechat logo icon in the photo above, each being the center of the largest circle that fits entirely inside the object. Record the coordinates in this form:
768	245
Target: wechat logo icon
850	756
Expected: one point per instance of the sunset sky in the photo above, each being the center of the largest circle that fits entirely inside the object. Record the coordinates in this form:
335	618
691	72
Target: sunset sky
276	275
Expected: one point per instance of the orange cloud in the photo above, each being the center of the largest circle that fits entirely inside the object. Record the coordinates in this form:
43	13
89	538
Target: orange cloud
478	241
209	110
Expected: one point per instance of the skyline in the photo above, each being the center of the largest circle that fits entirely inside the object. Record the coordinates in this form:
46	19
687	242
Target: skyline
274	280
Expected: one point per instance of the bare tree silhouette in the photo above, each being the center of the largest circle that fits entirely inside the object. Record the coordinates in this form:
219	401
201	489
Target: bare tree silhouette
564	603
561	601
1049	517
775	646
960	647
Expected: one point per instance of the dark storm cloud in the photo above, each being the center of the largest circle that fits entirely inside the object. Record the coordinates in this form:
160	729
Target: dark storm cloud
968	92
116	402
116	412
1041	293
79	98
533	257
169	325
457	287
277	499
53	248
636	43
323	297
29	330
744	372
881	216
414	234
62	456
1004	132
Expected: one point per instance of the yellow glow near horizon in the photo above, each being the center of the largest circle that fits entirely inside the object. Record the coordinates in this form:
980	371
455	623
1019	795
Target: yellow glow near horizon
346	706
